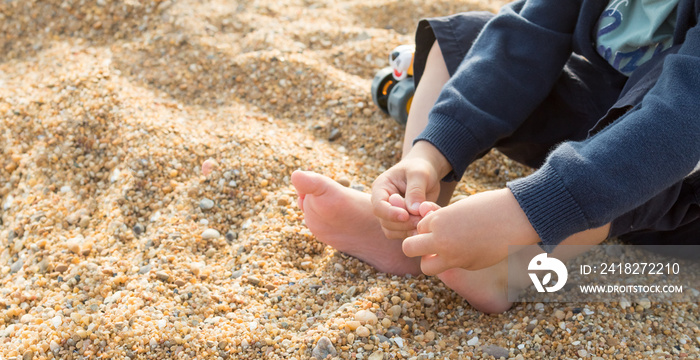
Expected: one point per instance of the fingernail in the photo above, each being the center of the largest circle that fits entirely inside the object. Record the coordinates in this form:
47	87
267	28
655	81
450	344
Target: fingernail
415	206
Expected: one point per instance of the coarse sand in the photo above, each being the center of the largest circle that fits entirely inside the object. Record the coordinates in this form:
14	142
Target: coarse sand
114	243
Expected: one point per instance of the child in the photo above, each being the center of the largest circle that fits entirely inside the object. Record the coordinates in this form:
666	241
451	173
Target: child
601	97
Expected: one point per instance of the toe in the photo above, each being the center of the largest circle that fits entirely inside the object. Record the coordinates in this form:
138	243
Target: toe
307	182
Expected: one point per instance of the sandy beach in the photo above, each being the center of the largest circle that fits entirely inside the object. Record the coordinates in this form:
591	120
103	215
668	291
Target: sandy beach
147	211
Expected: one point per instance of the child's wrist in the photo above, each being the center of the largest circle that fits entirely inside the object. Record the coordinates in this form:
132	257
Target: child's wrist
427	151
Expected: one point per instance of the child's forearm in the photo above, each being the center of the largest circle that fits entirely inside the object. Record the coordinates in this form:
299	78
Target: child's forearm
654	146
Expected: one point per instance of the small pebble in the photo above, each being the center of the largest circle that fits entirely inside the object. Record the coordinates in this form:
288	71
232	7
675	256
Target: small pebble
344	181
395	312
645	303
362	331
283	200
61	268
323	348
366	317
352	324
624	303
210	234
145	269
138	229
473	341
231	236
208	166
29	355
495	351
163	276
334	135
383	339
377	355
56	321
206	204
582	353
613	251
17	266
531	326
73	218
74	244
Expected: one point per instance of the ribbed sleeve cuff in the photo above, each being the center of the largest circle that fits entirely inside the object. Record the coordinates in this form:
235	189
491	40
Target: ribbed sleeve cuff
453	140
549	206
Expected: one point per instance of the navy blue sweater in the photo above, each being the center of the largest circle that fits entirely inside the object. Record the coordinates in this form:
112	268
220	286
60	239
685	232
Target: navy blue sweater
512	67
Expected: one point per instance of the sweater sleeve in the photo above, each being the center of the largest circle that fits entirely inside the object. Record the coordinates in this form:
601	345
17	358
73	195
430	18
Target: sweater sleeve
588	184
509	70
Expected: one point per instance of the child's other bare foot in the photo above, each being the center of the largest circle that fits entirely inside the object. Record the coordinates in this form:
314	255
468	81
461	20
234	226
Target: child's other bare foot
487	289
342	218
484	289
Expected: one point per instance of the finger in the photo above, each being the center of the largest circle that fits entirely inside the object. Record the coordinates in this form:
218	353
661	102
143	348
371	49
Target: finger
433	265
416	185
382	188
419	245
425	225
409	225
427	207
381	206
397	200
385	211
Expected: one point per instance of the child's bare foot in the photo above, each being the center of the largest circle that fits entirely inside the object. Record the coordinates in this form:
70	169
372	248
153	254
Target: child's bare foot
484	289
487	289
342	218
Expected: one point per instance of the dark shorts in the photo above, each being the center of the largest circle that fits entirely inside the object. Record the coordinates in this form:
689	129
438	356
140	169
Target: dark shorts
583	101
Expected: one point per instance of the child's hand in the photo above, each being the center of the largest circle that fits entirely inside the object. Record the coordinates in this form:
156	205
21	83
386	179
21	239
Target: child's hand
413	180
397	219
473	233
